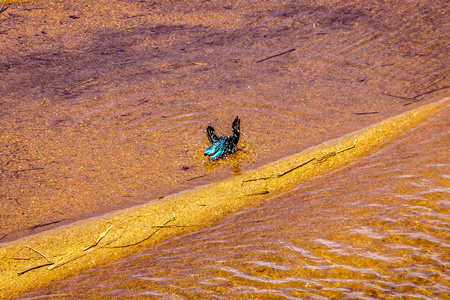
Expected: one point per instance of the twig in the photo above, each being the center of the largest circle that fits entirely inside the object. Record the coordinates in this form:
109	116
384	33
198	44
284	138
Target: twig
99	238
256	179
279	175
301	165
333	153
85	251
36	267
414	98
3	8
70	258
33	268
32	8
259	193
67	259
436	82
264	59
326	156
399	97
158	228
75	256
132	26
366	113
432	91
429	92
171	226
196	177
40	253
45	224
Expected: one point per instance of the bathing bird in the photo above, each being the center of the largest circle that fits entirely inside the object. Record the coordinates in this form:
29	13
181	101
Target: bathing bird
225	144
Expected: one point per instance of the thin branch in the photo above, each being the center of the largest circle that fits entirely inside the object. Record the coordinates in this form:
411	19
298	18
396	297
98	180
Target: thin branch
426	93
399	97
301	165
348	148
256	179
34	268
436	82
172	226
366	113
3	8
99	238
45	224
85	251
259	193
70	258
67	259
279	175
196	177
333	153
264	59
40	253
414	98
148	237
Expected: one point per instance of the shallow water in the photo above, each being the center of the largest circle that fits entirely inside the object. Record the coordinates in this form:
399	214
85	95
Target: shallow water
378	228
104	104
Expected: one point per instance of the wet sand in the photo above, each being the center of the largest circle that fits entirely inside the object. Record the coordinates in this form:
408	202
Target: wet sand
94	94
376	228
73	249
103	105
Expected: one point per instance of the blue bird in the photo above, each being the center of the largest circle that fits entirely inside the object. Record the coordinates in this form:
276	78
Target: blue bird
225	144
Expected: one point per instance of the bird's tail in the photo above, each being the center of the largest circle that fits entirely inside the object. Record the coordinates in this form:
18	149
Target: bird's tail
236	130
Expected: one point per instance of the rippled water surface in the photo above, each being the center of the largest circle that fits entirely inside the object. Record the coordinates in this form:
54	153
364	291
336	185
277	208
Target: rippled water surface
378	228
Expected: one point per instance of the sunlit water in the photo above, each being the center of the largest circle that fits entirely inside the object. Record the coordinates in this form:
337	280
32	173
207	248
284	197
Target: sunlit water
96	118
378	228
109	110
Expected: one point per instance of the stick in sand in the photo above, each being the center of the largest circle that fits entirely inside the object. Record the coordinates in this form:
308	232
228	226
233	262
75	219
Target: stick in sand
261	60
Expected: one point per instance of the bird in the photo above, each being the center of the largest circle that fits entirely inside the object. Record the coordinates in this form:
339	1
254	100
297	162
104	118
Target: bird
224	145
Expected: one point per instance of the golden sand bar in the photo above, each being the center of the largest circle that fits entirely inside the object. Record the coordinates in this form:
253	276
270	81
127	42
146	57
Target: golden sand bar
58	254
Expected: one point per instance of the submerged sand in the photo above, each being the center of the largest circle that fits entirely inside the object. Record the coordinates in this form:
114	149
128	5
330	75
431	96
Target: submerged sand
104	104
38	260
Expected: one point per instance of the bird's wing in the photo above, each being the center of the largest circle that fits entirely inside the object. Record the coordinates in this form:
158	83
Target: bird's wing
211	134
236	129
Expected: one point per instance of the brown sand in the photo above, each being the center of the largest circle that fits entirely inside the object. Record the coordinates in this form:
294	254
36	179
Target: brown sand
67	251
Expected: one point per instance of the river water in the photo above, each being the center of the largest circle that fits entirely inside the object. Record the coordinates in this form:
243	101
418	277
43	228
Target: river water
104	106
378	228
